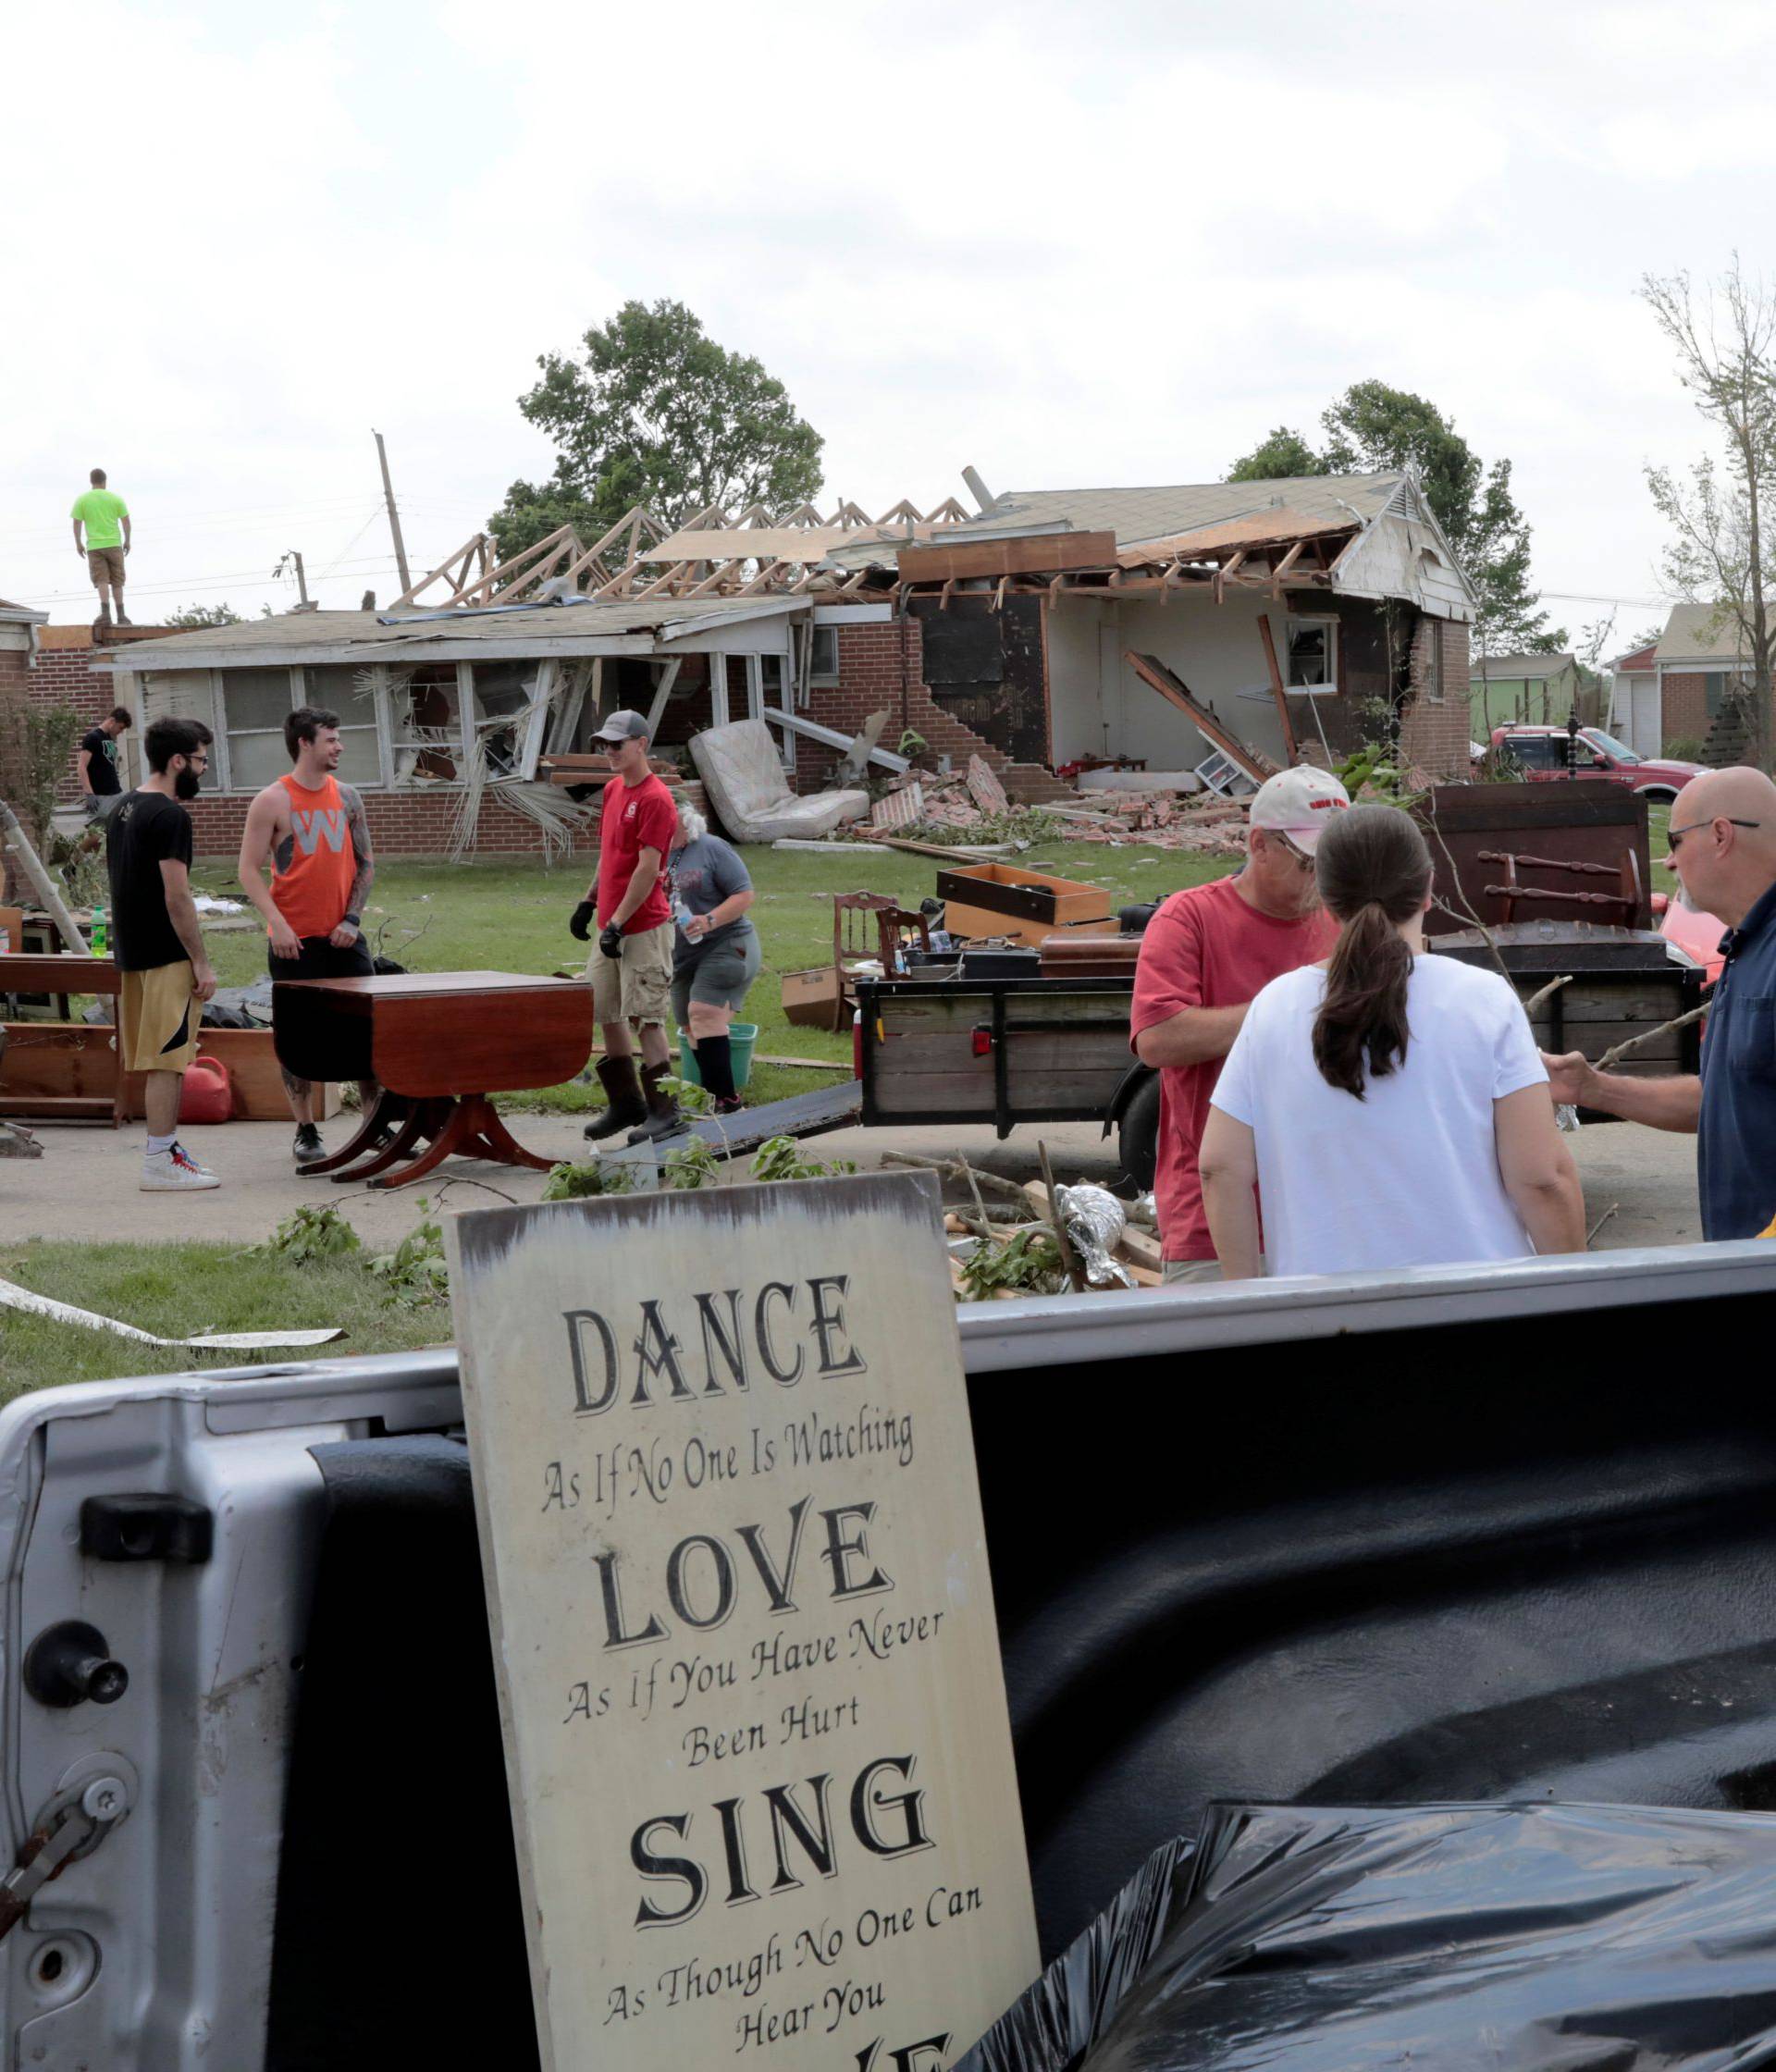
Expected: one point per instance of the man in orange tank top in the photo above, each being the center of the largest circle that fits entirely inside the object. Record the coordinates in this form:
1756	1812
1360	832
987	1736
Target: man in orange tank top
312	830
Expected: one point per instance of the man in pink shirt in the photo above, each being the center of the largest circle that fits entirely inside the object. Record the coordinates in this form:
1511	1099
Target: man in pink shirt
1204	957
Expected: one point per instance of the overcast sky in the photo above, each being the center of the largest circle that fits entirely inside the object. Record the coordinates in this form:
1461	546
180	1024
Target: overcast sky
1073	244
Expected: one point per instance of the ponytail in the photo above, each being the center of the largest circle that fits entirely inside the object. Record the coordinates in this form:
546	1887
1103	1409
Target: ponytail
1374	871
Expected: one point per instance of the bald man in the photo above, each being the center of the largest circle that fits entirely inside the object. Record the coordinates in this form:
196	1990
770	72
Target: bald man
1723	849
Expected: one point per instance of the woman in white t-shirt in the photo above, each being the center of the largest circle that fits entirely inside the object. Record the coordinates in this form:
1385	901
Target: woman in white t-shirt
1391	1106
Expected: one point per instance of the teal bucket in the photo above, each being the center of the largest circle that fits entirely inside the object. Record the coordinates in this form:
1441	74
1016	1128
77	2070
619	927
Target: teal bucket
742	1036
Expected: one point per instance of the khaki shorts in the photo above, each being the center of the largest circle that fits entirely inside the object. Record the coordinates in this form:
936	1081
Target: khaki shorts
1172	1271
636	986
157	1019
105	564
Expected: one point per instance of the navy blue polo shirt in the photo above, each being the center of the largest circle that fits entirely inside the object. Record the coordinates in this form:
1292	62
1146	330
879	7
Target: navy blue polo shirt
1736	1135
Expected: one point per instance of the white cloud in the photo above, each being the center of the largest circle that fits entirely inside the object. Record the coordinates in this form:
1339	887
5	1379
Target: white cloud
1063	242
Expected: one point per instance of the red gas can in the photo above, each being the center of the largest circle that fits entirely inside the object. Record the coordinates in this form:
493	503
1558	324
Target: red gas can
206	1096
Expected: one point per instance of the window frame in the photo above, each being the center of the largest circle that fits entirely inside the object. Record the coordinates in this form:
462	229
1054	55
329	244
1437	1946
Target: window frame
1331	687
826	679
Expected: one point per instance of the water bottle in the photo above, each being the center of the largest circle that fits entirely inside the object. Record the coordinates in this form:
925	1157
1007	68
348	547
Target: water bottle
101	940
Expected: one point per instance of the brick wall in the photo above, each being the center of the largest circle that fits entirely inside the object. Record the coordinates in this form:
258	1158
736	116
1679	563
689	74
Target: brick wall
880	667
401	823
1434	733
1684	708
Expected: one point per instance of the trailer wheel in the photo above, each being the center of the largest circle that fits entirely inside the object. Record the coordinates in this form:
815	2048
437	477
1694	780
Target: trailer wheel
1138	1134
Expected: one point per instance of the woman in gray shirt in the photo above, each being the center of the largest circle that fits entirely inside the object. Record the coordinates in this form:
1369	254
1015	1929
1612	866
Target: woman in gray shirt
716	947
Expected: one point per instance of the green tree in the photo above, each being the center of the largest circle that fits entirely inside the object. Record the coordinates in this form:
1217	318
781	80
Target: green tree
1373	426
203	616
1283	454
1722	549
654	412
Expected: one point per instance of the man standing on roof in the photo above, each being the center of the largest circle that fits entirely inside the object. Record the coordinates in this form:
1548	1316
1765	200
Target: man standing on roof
106	519
631	965
1205	955
312	830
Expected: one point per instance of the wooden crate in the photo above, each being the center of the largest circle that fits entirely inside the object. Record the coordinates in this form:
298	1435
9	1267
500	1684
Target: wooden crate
68	1070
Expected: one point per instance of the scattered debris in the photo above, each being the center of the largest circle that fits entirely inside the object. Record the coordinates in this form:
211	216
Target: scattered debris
16	1298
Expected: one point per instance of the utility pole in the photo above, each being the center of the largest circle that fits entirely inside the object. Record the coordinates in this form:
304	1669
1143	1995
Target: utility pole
394	516
292	556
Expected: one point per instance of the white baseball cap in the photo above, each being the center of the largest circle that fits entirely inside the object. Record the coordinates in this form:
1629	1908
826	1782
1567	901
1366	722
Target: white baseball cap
1298	803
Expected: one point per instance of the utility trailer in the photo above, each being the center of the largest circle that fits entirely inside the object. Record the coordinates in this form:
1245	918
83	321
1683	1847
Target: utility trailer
1444	1536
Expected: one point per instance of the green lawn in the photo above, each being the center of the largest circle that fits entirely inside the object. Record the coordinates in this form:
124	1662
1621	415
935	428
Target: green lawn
191	1289
512	916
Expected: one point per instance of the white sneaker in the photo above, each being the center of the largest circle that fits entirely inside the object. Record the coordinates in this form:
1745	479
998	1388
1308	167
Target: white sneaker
174	1171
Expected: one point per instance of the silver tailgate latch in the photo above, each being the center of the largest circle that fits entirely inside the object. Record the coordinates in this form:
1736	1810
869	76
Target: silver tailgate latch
71	1826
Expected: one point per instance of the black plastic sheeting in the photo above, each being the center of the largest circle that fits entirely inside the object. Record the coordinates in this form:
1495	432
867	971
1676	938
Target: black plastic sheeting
1582	1938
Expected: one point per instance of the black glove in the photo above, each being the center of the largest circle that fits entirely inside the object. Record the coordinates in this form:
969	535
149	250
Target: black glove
580	927
611	940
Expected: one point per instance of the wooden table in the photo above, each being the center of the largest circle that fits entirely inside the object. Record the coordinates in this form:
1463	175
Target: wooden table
437	1043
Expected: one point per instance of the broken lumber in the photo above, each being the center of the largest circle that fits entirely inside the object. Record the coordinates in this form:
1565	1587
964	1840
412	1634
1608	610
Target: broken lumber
1154	672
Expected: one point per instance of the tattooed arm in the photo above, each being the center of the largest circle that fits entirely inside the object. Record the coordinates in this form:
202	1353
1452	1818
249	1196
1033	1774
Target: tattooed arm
351	926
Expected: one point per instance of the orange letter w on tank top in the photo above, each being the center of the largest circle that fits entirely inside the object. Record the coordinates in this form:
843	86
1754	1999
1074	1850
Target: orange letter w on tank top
309	830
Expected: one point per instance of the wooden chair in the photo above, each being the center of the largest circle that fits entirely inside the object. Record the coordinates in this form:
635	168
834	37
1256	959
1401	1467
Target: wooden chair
860	921
899	932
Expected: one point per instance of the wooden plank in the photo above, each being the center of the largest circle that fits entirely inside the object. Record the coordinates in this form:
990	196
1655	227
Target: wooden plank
1154	672
1279	697
802	1115
662	691
59	971
1043	554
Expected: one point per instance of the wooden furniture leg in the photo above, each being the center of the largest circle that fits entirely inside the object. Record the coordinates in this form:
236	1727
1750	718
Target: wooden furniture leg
390	1110
427	1120
474	1130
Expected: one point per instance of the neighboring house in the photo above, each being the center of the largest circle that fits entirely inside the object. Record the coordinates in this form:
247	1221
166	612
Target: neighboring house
1699	660
19	630
1632	715
1540	689
1024	618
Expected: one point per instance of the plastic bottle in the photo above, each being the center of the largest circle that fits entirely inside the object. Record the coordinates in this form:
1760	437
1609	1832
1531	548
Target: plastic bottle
100	935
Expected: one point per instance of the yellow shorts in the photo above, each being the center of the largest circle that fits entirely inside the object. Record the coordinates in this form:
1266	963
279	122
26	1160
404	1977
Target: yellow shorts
157	1020
636	986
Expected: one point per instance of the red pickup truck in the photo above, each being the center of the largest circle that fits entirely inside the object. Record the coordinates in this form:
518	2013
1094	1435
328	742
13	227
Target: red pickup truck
1540	754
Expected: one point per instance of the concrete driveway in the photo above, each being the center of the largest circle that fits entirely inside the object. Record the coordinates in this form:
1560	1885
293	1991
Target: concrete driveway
84	1186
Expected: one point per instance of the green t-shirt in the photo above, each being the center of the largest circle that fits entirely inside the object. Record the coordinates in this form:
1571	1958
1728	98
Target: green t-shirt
101	509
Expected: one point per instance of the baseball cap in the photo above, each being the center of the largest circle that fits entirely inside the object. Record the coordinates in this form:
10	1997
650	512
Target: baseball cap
622	726
1298	803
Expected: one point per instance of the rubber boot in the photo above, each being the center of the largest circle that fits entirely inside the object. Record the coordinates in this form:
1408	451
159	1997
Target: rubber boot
622	1092
663	1117
715	1063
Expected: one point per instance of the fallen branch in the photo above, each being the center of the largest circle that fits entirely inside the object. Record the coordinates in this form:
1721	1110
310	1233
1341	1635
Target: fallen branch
956	1169
1619	1050
1548	992
1590	1236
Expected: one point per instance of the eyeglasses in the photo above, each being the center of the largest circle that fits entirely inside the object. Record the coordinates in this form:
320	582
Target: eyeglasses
1675	835
1297	854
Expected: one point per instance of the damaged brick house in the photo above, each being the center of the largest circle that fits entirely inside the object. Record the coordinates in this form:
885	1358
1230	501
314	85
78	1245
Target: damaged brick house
1030	626
1032	633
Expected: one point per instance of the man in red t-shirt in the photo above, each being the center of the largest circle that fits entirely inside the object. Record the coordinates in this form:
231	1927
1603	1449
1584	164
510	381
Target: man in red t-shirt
1204	957
631	964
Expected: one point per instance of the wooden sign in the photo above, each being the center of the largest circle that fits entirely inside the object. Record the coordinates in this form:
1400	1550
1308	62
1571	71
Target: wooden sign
755	1718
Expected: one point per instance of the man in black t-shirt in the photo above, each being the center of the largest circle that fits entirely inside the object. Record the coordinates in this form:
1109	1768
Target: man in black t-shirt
158	945
98	761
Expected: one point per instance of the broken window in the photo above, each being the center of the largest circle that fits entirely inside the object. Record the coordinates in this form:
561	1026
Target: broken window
426	723
352	693
824	663
502	694
255	703
1312	654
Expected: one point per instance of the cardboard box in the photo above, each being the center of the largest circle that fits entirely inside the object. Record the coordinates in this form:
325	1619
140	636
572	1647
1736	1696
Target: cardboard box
1026	906
814	999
